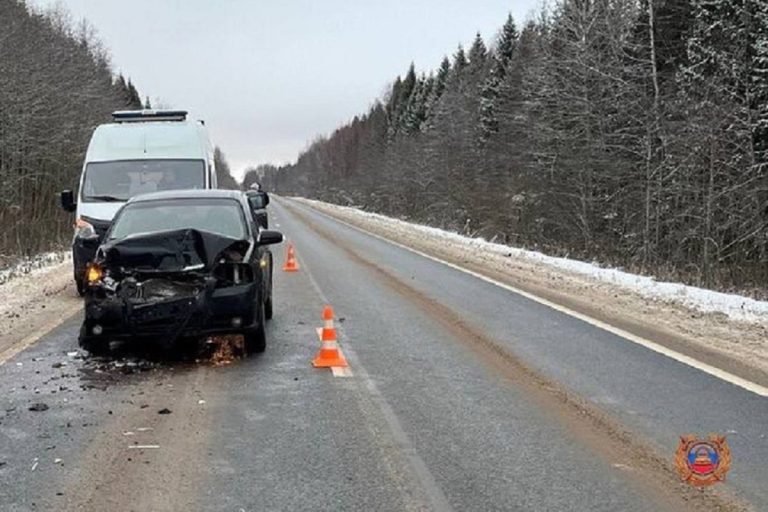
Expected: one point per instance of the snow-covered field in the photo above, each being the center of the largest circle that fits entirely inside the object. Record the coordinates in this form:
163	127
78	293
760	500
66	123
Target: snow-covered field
724	324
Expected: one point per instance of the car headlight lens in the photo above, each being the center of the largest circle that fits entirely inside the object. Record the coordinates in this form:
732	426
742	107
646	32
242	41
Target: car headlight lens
84	229
94	273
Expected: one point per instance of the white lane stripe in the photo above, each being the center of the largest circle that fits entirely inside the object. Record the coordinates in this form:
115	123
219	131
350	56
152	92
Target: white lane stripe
341	371
651	345
434	493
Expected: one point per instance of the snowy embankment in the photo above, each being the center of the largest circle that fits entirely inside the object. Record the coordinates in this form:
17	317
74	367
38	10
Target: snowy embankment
736	307
725	329
28	265
35	295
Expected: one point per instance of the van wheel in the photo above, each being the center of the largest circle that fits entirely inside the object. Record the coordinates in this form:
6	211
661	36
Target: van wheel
80	284
256	339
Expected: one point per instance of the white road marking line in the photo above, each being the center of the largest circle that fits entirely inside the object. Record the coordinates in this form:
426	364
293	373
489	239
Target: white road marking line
429	484
338	371
25	343
651	345
341	371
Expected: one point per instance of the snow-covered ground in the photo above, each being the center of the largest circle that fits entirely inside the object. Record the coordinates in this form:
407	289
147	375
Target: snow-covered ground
706	301
30	265
35	295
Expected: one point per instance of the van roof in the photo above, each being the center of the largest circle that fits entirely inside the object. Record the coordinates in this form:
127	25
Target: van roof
148	140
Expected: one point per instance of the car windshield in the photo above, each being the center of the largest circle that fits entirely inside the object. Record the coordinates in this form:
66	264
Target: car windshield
222	216
121	180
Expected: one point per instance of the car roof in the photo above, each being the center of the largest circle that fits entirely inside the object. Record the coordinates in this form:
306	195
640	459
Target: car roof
188	194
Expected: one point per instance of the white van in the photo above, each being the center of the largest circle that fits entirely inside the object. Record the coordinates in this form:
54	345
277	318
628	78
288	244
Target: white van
141	151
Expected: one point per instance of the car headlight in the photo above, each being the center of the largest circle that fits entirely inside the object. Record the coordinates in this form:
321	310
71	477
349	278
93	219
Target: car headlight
94	273
84	229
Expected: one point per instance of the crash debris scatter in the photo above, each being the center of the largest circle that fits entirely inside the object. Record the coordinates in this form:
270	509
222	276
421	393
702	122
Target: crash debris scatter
227	349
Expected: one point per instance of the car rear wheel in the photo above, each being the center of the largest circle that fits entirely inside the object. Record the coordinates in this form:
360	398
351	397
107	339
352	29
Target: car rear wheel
256	339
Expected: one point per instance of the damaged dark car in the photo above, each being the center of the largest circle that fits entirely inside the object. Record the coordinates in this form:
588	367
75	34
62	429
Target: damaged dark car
179	265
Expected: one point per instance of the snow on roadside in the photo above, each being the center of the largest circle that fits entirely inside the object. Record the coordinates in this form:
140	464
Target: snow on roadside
736	307
33	264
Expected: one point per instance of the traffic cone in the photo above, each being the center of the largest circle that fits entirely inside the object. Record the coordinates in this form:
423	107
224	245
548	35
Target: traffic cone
291	265
329	355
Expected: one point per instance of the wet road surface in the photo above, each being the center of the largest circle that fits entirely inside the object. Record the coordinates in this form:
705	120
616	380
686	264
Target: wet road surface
463	396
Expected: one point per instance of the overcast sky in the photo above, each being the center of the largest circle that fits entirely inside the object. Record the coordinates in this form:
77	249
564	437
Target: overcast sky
270	75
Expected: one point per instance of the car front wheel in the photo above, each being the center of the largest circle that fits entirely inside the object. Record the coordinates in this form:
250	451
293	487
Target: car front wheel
256	338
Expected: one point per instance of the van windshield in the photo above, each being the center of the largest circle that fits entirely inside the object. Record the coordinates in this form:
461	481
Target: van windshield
121	180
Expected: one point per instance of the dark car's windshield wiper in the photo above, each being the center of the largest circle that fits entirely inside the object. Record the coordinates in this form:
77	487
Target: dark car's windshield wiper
107	199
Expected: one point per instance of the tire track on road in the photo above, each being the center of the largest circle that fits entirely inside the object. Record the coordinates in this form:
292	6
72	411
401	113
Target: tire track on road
592	427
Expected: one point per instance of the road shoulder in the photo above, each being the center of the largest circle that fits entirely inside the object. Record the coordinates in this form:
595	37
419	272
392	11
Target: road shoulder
736	347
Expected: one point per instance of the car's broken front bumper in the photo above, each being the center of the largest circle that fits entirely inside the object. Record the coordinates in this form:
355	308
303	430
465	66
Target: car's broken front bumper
211	310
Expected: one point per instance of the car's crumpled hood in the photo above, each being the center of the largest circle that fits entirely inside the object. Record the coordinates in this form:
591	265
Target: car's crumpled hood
169	251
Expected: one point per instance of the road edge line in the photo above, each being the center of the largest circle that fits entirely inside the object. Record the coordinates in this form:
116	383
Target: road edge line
26	342
723	375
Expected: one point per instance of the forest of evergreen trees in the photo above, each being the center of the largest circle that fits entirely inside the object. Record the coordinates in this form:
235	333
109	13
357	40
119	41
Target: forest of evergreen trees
631	132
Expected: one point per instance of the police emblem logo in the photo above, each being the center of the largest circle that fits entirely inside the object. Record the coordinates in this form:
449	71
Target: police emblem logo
703	462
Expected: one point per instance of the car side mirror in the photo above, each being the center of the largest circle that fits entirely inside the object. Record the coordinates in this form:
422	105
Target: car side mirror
266	199
67	201
269	237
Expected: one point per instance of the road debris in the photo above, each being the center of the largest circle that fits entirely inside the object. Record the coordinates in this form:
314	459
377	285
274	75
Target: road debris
38	407
35	463
228	348
143	446
164	411
200	402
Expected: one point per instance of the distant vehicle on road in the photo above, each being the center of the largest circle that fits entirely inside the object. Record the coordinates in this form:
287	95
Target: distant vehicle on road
141	151
258	201
180	264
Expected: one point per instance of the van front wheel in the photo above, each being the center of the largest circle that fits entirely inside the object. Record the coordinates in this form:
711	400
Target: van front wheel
80	284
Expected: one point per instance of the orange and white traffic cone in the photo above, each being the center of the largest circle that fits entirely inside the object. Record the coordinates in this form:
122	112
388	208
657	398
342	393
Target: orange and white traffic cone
330	355
291	265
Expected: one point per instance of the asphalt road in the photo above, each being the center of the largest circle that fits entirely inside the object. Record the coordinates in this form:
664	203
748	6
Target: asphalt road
463	396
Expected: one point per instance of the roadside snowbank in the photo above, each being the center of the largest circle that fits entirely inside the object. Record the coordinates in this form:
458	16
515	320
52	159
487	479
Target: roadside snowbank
30	265
736	307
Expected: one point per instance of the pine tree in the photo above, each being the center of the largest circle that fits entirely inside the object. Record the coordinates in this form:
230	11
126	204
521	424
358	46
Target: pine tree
459	62
505	48
417	106
477	55
760	87
436	92
491	88
134	100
